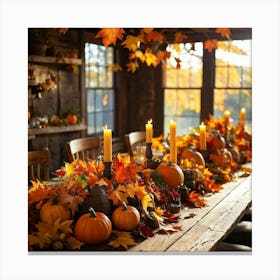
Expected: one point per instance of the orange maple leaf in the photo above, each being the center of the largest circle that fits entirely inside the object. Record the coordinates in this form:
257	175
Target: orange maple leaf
132	66
196	199
110	35
180	37
162	55
224	32
131	42
211	45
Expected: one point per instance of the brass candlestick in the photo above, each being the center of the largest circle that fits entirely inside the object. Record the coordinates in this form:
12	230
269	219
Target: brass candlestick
107	170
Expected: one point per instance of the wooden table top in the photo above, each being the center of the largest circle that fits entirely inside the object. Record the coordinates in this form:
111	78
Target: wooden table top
209	226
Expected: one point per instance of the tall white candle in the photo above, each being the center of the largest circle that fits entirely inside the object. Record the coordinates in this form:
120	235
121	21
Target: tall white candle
173	146
107	142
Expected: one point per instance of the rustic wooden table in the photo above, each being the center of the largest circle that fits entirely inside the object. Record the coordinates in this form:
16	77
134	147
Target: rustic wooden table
209	226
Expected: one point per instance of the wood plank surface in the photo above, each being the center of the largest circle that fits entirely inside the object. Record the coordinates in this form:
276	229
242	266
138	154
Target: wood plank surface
209	225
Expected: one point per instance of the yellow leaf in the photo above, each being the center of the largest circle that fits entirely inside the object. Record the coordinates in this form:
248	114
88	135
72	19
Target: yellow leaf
123	239
146	202
150	58
176	47
69	168
73	242
131	42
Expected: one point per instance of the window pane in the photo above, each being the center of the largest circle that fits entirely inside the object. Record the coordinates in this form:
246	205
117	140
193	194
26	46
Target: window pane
90	101
233	70
99	84
182	87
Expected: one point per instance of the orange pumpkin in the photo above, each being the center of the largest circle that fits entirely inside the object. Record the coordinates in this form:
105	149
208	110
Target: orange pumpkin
193	156
72	119
93	227
171	174
215	141
223	158
125	217
52	210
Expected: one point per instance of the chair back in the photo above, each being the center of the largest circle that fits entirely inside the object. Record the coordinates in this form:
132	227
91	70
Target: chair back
38	165
133	139
83	148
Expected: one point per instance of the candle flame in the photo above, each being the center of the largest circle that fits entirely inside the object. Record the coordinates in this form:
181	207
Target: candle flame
150	121
104	127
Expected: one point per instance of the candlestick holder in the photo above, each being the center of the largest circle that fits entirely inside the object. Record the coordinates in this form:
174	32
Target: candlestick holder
149	154
204	153
107	170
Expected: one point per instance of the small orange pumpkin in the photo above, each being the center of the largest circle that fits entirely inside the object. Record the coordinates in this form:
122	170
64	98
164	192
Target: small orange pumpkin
125	217
52	210
93	227
171	174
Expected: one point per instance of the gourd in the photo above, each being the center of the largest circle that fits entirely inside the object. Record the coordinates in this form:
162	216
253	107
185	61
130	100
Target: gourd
215	141
171	174
93	227
52	210
97	199
193	156
125	217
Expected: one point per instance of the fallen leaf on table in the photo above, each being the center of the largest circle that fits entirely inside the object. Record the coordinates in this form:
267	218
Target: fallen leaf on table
123	239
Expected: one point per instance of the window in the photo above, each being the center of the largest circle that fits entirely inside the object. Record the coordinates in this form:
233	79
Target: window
182	87
233	80
99	85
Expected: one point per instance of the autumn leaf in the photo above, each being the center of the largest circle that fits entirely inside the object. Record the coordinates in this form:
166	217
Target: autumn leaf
123	239
110	35
196	199
176	47
118	195
162	55
158	214
146	231
146	202
73	243
153	36
150	58
72	201
180	37
211	45
178	63
37	192
136	190
114	67
131	42
132	66
224	32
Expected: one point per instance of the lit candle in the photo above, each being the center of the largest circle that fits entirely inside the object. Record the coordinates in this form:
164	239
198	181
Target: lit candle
149	131
202	137
227	116
173	147
107	142
242	116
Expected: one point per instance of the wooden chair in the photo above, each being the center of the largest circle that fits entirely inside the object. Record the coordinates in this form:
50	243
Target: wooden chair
38	165
133	139
83	148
